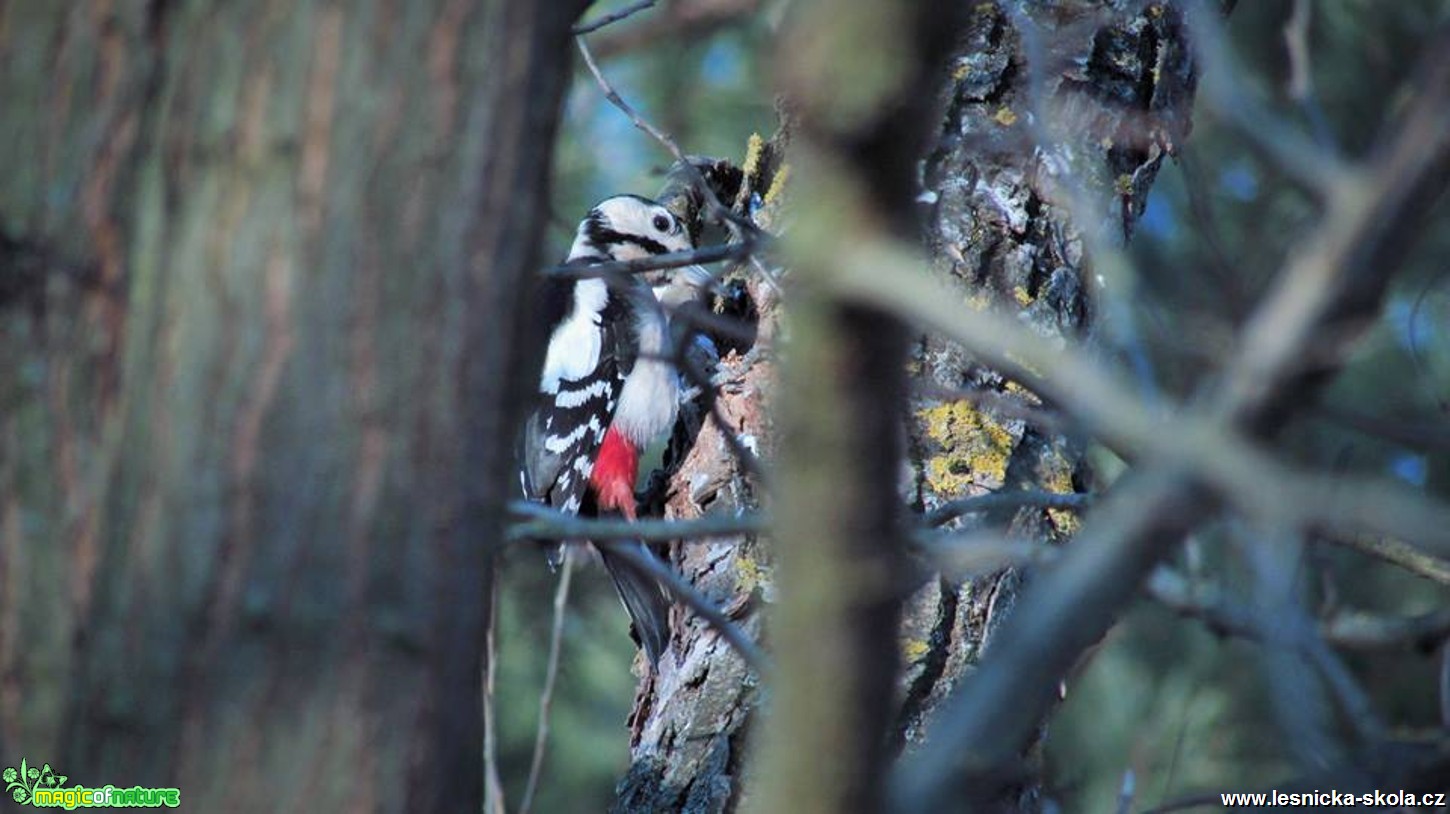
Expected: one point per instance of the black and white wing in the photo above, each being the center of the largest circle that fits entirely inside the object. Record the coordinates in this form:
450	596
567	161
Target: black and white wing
589	355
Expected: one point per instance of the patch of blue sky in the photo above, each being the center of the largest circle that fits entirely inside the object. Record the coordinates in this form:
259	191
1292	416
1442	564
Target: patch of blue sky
1411	328
723	64
1238	180
619	154
1160	218
1411	469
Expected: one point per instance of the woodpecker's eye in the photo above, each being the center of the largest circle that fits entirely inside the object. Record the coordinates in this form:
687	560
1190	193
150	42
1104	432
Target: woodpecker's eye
662	223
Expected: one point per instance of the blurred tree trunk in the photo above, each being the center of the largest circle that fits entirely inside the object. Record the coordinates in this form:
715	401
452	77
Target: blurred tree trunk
1107	91
261	262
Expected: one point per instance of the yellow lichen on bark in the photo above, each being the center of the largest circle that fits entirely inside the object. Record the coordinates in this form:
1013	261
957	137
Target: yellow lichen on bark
748	575
1055	475
914	650
974	448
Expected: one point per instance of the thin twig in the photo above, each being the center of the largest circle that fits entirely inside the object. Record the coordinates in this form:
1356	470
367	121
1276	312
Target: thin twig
548	524
965	555
1418	434
1348	630
717	209
1284	145
680	21
1005	500
655	262
585	28
1398	553
1296	45
546	695
493	795
742	231
697	601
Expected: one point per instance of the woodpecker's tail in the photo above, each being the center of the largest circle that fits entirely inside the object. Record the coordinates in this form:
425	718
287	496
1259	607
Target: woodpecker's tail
643	596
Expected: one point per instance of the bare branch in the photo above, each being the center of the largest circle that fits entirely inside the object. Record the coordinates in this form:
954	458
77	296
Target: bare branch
1348	630
668	260
551	675
717	209
1005	500
741	230
1399	553
1286	148
1365	631
493	794
1296	44
1421	434
679	21
549	524
1332	275
980	731
964	555
585	28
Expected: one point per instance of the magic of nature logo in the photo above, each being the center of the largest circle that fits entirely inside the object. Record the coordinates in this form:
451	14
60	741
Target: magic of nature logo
43	788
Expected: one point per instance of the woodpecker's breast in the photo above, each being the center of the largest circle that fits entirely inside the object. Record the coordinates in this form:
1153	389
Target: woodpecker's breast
650	396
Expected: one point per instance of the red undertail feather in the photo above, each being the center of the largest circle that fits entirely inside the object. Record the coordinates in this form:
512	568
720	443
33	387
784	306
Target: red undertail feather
615	472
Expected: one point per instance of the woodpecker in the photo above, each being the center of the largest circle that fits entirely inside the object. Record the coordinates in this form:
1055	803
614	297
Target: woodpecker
608	389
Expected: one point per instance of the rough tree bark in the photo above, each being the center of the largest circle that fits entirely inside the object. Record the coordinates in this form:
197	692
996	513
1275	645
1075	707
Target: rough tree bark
253	388
1107	86
1051	117
688	734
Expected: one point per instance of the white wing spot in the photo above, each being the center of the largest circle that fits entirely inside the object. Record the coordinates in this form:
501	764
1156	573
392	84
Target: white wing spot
574	398
558	444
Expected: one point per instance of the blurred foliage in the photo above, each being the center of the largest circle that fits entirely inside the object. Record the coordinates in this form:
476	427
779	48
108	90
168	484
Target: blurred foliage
1182	708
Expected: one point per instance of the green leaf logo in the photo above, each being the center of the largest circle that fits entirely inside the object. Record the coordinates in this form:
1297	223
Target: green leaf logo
20	783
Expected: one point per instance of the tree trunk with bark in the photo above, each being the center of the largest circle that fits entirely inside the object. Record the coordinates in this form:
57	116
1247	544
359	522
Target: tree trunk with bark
1104	90
261	268
1055	128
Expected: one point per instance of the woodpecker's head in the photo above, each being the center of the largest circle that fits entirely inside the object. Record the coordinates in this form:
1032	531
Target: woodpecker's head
627	227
